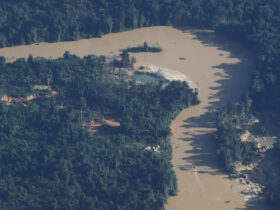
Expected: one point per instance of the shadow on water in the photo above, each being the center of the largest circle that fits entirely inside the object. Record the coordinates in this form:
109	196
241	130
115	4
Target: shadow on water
214	39
200	130
256	205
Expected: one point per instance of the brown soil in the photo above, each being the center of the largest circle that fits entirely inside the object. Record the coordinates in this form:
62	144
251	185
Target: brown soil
11	100
174	129
112	123
93	126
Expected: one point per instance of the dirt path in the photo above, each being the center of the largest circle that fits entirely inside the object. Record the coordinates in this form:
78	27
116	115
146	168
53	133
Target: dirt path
220	69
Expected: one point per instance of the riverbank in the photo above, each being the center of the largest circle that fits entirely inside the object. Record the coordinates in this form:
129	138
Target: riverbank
220	69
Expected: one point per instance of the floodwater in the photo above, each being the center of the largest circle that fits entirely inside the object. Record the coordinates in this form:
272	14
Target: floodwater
218	67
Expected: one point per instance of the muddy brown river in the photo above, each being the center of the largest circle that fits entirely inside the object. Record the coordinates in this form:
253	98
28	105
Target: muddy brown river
218	67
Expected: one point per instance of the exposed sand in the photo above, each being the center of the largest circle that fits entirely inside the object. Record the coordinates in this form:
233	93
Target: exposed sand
219	68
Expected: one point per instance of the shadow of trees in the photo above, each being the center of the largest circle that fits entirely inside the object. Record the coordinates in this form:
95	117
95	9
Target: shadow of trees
200	130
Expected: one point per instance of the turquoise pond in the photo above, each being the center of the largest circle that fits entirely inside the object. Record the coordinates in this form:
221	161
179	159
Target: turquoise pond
145	78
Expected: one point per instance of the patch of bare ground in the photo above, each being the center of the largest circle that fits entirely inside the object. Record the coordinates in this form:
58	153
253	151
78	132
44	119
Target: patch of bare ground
173	129
260	133
249	179
112	123
243	184
13	100
93	126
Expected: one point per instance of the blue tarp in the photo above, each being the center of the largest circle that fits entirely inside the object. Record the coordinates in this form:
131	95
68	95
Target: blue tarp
251	117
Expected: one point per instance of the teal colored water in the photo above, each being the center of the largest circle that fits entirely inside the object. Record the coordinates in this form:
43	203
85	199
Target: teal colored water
144	78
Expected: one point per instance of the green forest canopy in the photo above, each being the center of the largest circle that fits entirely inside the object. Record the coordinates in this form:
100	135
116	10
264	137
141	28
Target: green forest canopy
49	160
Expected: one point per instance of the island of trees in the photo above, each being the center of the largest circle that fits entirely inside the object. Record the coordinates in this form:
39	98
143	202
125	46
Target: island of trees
144	48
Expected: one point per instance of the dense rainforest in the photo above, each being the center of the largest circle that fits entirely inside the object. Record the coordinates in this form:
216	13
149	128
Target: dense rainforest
255	23
50	158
